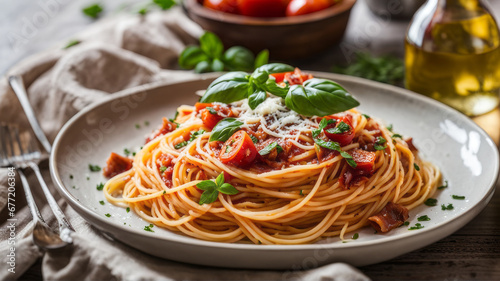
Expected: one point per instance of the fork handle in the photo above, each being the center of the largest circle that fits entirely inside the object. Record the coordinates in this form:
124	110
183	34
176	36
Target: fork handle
17	84
64	226
35	213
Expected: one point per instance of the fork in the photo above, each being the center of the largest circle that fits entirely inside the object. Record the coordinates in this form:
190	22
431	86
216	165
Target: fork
27	154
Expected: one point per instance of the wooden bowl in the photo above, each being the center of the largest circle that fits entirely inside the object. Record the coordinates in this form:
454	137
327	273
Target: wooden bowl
284	37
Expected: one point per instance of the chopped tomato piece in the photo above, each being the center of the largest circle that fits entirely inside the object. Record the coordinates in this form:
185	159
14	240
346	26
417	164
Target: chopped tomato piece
238	150
344	137
211	114
166	128
210	119
279	77
365	161
263	8
116	164
297	77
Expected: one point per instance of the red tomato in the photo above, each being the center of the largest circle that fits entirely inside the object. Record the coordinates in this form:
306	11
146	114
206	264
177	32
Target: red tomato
279	77
210	119
344	138
238	150
302	7
365	160
263	8
227	6
297	77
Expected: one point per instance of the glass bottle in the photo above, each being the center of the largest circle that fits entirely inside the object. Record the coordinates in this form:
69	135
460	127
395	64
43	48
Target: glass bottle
453	55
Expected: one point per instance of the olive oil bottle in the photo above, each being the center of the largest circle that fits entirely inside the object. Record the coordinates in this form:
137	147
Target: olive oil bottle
453	55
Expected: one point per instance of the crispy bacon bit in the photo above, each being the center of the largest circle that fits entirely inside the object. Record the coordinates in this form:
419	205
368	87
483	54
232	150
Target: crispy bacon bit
166	128
409	142
116	164
391	216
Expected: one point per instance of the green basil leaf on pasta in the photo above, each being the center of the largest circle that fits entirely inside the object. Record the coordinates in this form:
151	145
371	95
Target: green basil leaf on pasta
208	196
225	129
266	150
228	88
256	98
206	185
227	188
220	179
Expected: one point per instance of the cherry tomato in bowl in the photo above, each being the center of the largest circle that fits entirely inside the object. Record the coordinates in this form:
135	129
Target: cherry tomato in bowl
238	150
263	8
302	7
227	6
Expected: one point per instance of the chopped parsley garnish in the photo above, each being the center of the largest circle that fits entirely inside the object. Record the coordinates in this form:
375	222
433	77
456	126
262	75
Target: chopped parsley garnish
366	116
397	136
71	176
355	236
449	207
146	123
101	202
149	228
212	189
211	110
389	127
322	124
143	11
266	150
137	126
416	166
424	218
164	4
88	178
173	121
72	43
163	169
380	143
228	149
100	186
107	215
301	192
74	187
445	185
254	139
128	209
417	226
126	151
194	135
94	168
431	202
133	153
164	192
92	11
407	223
458	197
339	129
331	144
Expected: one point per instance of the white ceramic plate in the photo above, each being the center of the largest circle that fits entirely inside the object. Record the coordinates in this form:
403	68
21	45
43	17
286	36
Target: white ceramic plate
467	157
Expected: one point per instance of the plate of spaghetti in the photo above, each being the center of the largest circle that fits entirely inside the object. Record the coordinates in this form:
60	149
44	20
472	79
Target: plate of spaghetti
274	169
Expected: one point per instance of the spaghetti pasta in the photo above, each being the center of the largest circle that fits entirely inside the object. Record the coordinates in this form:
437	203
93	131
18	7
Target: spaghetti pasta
302	194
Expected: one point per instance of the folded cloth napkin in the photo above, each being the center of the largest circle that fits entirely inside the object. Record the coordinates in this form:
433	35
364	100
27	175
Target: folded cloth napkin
114	54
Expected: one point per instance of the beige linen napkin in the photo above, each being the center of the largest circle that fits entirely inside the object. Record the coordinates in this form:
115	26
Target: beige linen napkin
115	54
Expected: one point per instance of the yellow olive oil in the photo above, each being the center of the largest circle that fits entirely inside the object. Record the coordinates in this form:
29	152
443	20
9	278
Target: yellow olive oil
456	60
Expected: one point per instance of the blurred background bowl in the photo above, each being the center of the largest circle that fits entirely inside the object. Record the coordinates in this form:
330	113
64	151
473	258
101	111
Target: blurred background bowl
284	37
398	9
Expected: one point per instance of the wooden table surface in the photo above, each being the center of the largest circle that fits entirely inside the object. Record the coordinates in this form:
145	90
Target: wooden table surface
472	253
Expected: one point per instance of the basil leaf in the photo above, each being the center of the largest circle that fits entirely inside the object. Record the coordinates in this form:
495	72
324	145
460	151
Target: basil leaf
239	58
341	128
203	67
225	129
92	11
217	65
336	146
266	150
228	88
272	87
227	188
319	97
164	4
211	45
208	196
191	56
220	179
256	98
211	110
206	185
262	58
275	68
379	143
254	139
322	125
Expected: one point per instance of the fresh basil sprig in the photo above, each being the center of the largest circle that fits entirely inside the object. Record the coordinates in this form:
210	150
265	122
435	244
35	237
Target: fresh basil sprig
380	143
235	86
331	144
341	128
212	189
225	129
319	97
266	150
210	56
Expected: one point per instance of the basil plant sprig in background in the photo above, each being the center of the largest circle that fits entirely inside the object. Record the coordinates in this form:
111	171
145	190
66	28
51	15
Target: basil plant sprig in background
316	97
210	56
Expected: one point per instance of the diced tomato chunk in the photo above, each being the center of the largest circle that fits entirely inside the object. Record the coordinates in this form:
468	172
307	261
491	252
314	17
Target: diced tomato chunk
343	138
297	77
211	114
116	164
365	160
166	128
